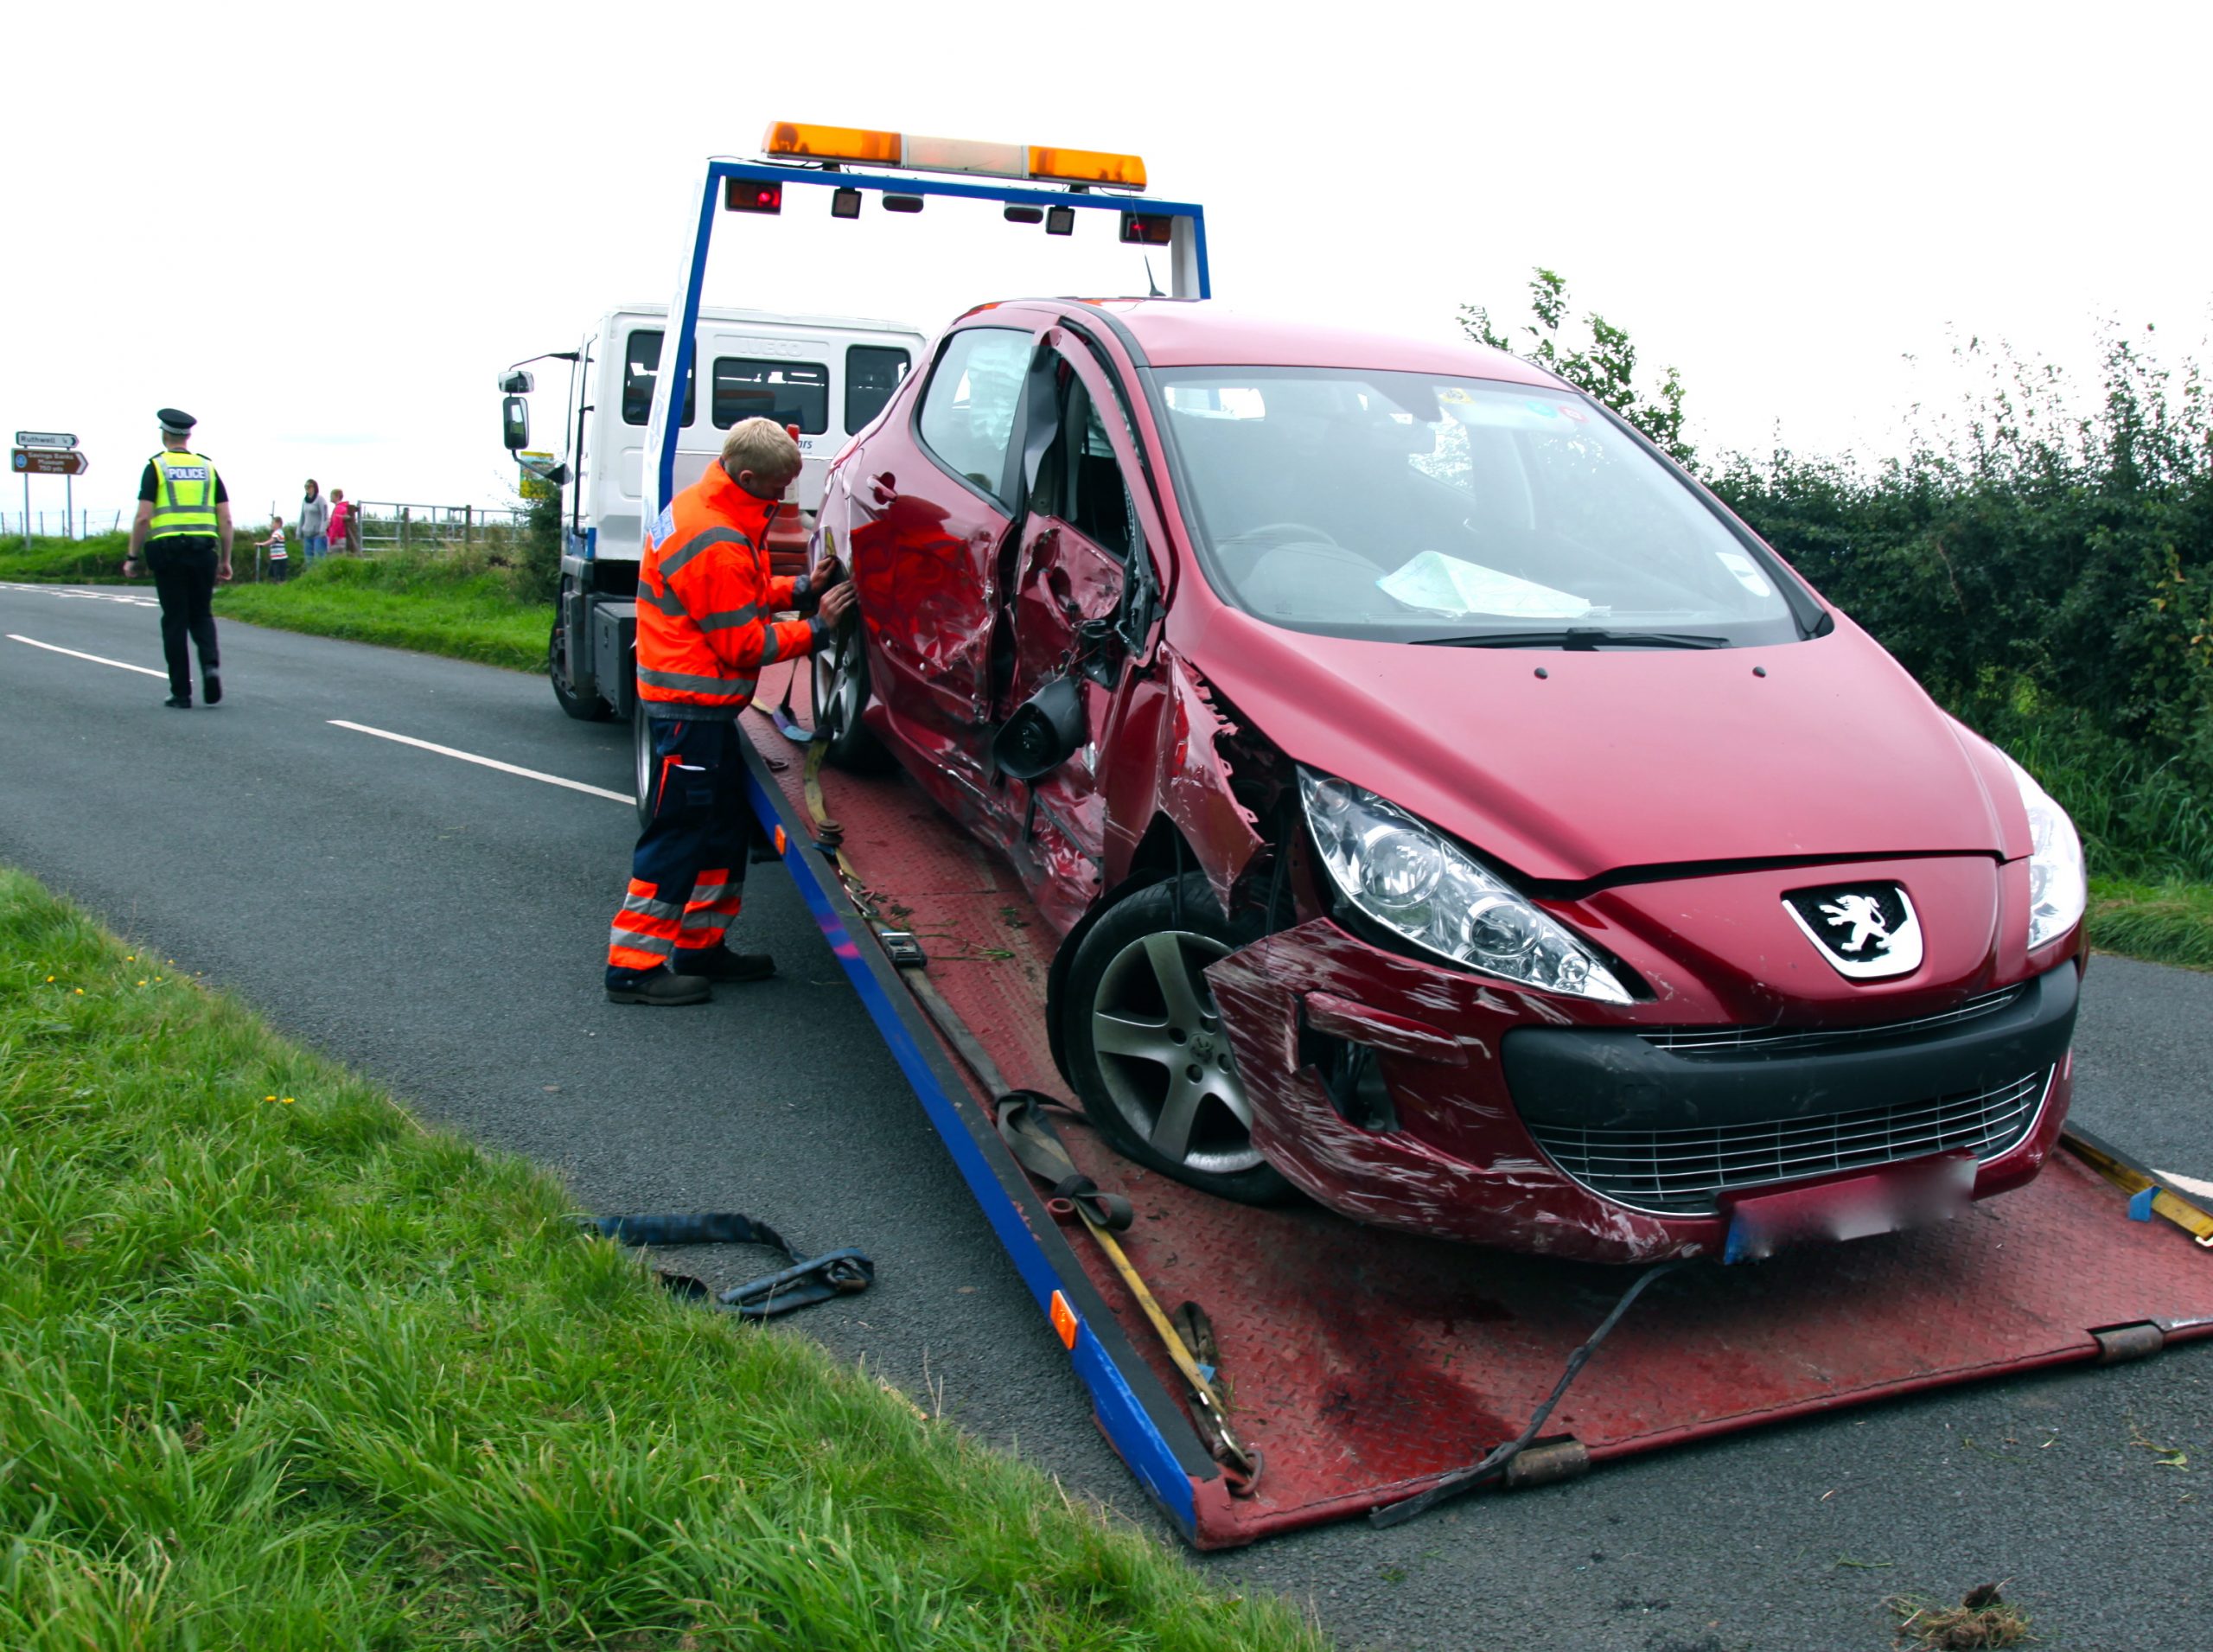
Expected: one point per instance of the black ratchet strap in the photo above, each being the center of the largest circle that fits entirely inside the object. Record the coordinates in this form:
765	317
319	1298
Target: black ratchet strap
1037	1146
809	1279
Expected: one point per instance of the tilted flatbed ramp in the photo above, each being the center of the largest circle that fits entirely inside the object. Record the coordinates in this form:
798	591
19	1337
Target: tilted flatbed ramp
1363	1364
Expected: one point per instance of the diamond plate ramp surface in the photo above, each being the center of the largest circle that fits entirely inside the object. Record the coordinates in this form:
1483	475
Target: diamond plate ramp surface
1362	1363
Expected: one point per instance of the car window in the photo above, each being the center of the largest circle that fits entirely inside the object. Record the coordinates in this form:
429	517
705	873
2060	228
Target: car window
640	365
1413	506
872	372
790	393
967	416
1081	481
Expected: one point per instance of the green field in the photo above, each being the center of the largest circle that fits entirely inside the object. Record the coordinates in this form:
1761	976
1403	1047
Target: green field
460	603
281	1368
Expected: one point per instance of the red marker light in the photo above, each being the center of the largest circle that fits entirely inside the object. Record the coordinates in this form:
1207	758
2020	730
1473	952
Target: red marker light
1148	229
747	196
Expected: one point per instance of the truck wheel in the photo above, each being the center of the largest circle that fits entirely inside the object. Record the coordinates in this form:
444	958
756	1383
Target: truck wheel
841	690
641	754
1145	1045
585	708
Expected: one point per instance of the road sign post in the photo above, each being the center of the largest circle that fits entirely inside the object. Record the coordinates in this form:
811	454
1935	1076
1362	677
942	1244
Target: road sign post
49	453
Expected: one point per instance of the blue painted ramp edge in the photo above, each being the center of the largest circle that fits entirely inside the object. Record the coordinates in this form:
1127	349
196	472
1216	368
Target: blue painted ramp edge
1139	1419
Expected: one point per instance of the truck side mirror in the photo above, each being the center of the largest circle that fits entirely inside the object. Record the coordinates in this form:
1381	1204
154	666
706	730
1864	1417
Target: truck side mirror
517	383
514	414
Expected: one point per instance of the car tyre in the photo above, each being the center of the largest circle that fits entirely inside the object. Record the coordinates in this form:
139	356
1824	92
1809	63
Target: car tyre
840	692
1145	1043
585	708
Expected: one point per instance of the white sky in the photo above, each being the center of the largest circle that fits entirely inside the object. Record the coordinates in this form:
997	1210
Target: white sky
330	246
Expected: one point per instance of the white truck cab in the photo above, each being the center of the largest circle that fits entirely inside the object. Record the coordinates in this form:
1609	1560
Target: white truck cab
827	374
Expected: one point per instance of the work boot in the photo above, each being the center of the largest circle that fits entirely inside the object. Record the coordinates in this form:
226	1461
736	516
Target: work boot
211	688
661	986
721	963
179	702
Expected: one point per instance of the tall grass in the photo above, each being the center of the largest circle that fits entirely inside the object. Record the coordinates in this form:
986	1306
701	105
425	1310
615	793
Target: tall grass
279	1369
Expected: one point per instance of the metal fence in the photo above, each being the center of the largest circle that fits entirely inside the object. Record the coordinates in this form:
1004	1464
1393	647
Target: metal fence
61	524
387	524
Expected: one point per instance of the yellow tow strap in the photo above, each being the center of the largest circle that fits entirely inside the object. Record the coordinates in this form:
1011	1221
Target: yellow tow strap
2139	1183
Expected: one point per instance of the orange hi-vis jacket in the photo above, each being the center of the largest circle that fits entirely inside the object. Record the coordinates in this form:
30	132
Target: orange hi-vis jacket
706	603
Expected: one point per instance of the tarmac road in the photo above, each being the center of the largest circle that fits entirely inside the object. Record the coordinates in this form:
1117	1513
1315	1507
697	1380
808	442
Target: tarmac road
437	924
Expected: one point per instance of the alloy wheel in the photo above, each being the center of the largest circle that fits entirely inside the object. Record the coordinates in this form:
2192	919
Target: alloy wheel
837	684
1165	1057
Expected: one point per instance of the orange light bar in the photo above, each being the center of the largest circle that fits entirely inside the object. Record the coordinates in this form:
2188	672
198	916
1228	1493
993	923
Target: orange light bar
832	144
1088	166
913	152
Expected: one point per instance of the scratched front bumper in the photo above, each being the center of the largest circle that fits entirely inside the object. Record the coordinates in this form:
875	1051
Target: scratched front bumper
1459	1162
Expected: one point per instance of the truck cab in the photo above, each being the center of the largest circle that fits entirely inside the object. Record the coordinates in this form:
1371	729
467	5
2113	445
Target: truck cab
829	375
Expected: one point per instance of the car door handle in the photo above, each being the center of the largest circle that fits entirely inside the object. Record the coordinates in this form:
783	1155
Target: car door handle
885	486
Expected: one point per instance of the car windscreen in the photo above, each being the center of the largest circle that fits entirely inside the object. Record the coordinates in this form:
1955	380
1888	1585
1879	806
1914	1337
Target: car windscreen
1408	507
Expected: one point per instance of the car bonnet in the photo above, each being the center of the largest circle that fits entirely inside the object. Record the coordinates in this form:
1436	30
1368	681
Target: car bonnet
1568	765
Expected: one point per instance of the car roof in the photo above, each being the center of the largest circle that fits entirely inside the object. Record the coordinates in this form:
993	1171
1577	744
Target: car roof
1182	332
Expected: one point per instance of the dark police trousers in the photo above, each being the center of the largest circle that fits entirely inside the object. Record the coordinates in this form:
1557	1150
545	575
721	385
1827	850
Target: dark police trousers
687	874
183	566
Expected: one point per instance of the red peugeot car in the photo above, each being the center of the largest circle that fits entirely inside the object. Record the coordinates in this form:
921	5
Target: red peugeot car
1449	808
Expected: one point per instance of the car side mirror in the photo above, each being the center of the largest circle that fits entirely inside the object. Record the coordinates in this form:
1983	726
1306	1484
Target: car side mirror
517	383
514	414
1040	736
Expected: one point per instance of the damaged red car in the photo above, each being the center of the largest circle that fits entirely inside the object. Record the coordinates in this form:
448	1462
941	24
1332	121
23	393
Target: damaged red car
1449	810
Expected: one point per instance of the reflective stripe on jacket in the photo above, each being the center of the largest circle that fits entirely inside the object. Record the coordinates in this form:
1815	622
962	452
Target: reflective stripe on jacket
184	495
707	602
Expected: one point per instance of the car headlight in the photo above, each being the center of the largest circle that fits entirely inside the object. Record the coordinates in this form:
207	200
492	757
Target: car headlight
2059	887
1418	883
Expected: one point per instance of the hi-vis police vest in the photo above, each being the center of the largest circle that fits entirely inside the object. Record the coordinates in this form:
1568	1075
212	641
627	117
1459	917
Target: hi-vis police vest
184	495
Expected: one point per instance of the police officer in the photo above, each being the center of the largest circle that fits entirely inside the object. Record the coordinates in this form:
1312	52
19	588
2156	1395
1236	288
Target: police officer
182	536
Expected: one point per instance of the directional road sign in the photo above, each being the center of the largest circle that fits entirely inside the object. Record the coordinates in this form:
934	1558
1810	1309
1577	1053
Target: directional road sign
50	462
44	439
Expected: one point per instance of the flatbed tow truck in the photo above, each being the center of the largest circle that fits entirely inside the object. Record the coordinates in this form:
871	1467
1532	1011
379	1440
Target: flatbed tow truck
1337	1369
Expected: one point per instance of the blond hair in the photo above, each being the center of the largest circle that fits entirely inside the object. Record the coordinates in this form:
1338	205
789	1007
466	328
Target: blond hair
763	447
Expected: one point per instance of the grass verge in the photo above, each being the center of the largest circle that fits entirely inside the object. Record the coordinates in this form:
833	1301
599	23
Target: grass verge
2161	924
280	1369
458	603
73	562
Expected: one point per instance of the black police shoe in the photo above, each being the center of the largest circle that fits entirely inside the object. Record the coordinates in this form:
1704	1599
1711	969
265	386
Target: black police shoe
179	702
211	688
662	986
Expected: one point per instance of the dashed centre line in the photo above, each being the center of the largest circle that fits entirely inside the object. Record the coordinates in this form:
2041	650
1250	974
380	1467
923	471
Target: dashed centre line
487	762
96	659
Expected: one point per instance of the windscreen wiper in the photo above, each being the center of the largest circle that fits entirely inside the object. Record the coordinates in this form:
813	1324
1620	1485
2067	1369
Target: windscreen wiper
1579	637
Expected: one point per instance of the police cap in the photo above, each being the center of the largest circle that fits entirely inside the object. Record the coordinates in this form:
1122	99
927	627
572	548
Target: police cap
174	423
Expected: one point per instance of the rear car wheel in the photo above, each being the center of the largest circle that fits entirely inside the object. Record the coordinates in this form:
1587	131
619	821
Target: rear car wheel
841	690
1145	1046
585	708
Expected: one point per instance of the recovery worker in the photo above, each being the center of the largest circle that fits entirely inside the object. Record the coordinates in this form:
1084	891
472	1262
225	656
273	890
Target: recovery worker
706	625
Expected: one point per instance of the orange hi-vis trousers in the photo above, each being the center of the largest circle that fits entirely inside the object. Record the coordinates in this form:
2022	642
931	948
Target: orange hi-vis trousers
687	873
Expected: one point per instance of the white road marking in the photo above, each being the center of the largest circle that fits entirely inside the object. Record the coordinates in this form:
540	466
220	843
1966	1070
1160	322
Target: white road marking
130	599
489	763
98	660
2188	1184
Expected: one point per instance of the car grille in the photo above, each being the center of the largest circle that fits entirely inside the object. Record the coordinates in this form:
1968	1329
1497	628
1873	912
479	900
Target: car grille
1684	1172
1728	1040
